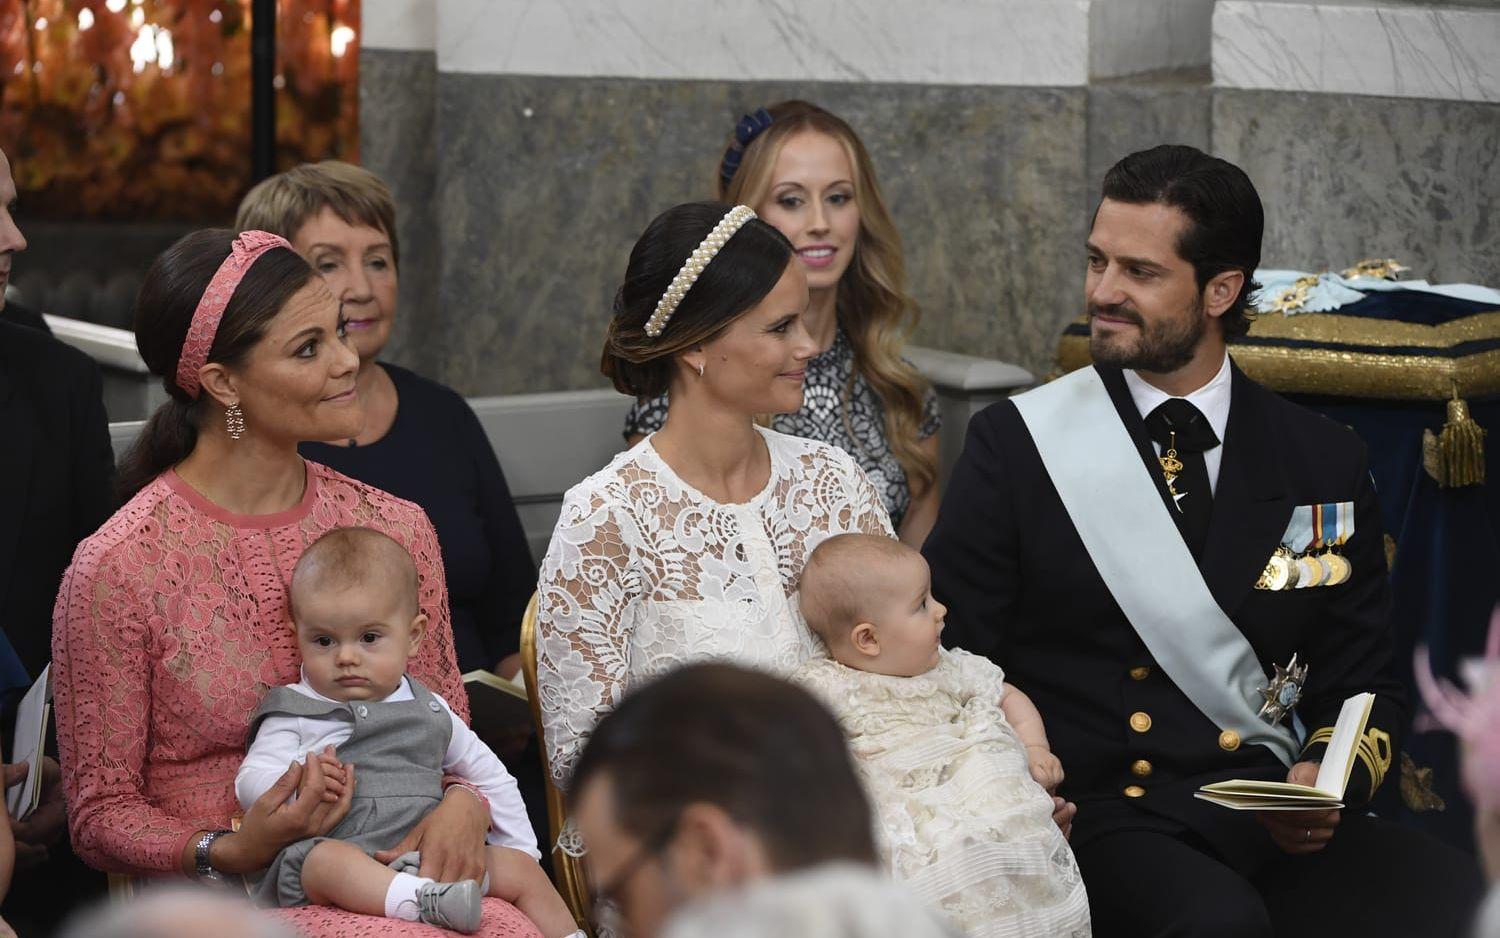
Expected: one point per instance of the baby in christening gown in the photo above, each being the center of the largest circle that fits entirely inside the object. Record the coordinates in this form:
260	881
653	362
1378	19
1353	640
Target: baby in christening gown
955	760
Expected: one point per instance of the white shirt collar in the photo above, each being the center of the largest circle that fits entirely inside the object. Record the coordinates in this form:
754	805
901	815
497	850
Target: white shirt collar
1212	399
402	691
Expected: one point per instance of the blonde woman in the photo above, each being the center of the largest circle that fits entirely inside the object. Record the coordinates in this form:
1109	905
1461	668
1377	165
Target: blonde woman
806	172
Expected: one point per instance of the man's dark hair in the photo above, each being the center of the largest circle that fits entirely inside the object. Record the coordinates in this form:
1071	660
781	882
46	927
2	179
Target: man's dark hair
1225	218
763	750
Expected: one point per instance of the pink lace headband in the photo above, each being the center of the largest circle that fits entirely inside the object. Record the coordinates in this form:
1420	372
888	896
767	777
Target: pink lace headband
249	246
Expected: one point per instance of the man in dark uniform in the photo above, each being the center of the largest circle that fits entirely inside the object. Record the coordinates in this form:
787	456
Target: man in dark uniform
56	472
1038	552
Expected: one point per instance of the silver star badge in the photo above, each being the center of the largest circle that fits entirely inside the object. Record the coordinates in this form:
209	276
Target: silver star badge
1282	695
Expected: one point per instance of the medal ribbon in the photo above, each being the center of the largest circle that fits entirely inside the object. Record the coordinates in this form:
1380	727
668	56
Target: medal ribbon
1317	526
1299	531
1330	523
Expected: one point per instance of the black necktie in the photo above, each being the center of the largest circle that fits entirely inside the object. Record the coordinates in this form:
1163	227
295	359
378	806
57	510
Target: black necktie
1184	435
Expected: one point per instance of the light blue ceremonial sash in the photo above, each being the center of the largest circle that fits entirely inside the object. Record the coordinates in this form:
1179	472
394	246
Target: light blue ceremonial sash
1136	547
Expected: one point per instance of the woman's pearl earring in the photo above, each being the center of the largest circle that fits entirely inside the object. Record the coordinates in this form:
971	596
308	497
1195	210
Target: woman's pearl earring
700	369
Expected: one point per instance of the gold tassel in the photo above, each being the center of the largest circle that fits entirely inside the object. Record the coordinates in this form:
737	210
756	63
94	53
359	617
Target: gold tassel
1455	457
1416	787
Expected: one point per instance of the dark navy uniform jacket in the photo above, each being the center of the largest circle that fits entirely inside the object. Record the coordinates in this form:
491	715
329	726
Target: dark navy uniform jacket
1021	589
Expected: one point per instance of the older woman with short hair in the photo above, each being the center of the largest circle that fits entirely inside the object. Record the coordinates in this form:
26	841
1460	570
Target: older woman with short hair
421	441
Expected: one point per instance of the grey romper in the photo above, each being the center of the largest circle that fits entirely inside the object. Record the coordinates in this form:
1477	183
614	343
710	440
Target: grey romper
397	748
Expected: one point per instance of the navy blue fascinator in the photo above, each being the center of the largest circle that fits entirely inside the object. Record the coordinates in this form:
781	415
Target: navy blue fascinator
745	132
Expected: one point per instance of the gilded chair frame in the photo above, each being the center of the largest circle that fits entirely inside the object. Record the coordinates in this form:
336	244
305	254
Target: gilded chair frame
568	871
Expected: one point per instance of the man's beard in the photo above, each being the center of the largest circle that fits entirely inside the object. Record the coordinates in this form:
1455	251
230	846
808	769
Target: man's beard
1163	346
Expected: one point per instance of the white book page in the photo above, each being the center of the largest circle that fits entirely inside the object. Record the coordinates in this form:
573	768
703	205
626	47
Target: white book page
31	732
1338	758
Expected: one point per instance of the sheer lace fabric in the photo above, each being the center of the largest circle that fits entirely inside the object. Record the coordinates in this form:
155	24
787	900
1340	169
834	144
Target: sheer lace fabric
645	573
962	822
171	623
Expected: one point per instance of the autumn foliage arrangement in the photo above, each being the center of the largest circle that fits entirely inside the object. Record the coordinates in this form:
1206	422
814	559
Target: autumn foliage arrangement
140	109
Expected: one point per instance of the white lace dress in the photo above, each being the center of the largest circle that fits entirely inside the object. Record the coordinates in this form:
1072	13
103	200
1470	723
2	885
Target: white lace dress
962	822
646	573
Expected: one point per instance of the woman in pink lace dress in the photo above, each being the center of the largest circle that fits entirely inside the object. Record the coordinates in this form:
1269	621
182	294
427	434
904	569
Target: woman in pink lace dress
172	620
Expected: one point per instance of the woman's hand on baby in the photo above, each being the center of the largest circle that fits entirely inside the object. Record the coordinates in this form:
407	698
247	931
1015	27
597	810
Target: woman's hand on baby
450	838
276	819
1045	767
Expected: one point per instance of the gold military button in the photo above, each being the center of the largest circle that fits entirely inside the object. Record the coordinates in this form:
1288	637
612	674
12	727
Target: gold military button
1140	721
1229	740
1140	674
1141	768
1134	791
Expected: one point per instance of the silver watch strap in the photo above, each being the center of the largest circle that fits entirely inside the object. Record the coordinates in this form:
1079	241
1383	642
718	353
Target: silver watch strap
202	867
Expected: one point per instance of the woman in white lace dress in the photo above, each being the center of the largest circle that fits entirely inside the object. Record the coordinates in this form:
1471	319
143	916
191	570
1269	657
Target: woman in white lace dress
689	545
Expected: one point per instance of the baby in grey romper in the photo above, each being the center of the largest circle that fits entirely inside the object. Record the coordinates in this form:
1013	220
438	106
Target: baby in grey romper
354	601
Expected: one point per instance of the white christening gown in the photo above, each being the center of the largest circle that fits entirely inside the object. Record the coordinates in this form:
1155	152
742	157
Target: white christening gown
962	822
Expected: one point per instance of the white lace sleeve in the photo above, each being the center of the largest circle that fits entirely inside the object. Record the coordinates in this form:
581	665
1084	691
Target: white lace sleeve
867	511
585	593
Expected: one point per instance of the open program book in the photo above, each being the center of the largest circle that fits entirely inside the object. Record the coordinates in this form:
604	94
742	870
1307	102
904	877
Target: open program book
29	746
497	706
1328	792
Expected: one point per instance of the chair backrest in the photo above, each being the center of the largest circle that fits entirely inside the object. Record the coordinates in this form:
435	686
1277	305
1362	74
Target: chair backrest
572	881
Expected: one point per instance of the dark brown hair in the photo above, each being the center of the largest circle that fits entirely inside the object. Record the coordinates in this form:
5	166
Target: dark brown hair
164	310
746	268
761	749
1225	217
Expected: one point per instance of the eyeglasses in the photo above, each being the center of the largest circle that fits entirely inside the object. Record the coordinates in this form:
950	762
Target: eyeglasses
604	899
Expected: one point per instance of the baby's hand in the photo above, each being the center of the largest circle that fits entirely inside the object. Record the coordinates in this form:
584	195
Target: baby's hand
1045	767
333	773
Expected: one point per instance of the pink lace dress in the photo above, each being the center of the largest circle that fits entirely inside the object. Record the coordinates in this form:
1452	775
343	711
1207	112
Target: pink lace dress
170	625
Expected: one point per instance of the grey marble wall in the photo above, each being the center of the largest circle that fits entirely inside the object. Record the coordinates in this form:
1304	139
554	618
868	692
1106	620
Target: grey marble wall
1136	114
1345	177
396	140
544	184
520	196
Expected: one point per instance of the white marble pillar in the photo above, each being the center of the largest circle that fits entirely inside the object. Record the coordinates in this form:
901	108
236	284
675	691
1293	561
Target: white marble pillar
1363	47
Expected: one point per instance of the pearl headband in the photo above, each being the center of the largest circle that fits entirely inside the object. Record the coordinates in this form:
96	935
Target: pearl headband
249	246
693	268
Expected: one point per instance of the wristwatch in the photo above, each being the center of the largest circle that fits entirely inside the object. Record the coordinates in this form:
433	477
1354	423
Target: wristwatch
202	868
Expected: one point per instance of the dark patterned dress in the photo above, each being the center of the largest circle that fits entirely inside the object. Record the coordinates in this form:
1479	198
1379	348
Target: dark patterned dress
822	418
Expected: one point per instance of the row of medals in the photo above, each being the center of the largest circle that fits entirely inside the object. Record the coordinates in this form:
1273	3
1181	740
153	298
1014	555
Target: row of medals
1286	570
